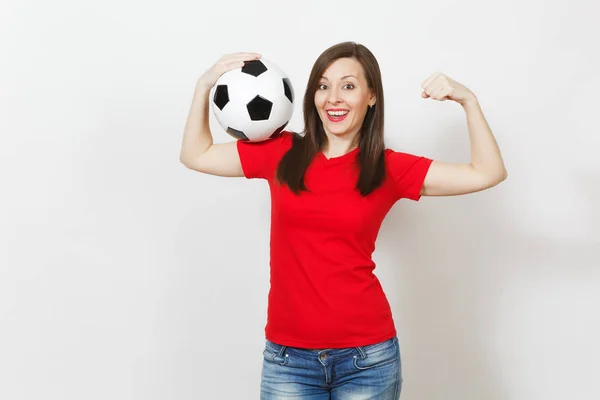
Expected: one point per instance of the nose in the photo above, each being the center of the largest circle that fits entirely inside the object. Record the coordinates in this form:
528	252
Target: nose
334	96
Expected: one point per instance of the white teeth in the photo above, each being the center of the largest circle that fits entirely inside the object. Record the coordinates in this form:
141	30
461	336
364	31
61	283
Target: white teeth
337	113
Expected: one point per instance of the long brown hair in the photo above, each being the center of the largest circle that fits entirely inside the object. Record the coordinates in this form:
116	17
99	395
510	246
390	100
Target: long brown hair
370	160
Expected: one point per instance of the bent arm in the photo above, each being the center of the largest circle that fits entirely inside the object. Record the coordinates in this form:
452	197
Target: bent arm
485	170
197	149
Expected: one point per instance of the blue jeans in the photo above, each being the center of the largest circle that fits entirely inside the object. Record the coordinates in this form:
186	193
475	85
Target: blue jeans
353	373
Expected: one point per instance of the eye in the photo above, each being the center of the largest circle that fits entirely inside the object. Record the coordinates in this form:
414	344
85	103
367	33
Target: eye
322	86
349	86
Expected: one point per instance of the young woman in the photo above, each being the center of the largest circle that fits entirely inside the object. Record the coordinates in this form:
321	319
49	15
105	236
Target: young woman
330	332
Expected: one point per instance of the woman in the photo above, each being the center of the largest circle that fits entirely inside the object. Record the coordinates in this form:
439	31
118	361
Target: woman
330	332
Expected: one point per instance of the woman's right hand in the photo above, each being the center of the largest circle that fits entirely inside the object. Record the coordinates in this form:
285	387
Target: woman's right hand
225	63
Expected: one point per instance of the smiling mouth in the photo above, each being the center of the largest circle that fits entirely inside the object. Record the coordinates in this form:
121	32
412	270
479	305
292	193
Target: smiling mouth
337	116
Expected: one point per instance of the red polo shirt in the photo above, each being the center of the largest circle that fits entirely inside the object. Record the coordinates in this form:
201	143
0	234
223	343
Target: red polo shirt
323	291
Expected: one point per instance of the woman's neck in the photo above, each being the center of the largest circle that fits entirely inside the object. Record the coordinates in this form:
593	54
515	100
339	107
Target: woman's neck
336	146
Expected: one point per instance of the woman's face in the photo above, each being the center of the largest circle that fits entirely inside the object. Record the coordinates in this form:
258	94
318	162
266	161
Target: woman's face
343	97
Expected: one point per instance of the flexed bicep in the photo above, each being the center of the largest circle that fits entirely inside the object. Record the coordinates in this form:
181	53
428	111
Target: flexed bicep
451	179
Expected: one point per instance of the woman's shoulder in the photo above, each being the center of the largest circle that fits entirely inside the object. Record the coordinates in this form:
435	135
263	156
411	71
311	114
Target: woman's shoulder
282	139
288	136
391	153
395	158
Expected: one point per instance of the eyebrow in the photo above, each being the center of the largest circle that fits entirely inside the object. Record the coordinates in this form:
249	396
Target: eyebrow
343	77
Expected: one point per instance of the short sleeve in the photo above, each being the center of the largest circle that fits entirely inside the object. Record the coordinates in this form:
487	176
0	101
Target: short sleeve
260	159
408	173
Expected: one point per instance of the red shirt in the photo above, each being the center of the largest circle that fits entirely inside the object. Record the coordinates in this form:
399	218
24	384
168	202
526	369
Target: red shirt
323	291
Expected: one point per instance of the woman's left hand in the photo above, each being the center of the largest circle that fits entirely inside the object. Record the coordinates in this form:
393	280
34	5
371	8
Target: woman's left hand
440	87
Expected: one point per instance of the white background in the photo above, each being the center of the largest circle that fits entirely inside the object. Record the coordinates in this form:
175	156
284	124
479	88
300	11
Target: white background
124	275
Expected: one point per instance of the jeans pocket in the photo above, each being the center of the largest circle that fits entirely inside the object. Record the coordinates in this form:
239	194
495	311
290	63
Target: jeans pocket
377	355
275	353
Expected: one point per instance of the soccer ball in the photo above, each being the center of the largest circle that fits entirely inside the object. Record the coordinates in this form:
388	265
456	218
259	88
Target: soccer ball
253	102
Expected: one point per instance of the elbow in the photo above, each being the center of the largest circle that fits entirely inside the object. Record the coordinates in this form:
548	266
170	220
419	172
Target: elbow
183	160
186	161
503	174
499	177
492	179
190	158
186	157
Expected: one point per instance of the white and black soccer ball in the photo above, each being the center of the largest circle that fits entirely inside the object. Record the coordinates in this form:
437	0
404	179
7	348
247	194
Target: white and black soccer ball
253	102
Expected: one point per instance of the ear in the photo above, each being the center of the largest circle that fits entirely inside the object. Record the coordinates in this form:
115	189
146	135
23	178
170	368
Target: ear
372	100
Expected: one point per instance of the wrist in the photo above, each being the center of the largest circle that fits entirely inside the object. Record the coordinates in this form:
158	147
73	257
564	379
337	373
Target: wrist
470	101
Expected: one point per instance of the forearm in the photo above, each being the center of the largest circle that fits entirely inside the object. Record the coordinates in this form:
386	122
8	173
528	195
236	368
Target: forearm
485	153
197	137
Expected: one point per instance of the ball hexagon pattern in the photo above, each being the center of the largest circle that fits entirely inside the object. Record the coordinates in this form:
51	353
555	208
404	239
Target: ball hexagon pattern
253	102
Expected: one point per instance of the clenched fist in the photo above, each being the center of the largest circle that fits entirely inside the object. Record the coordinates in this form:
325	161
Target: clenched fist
440	87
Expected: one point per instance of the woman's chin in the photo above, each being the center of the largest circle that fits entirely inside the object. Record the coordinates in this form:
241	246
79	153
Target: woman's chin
337	130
